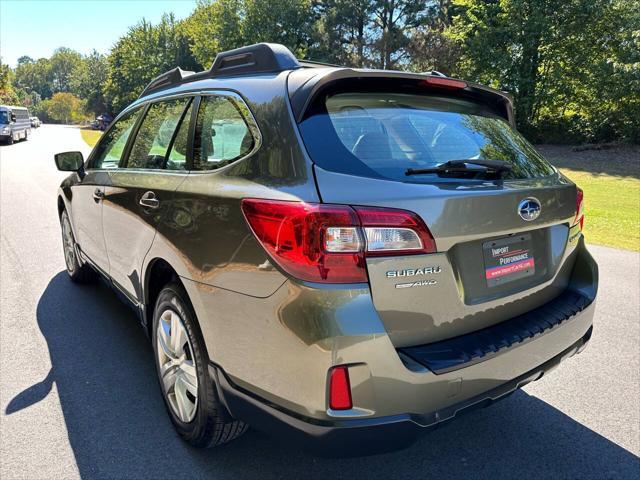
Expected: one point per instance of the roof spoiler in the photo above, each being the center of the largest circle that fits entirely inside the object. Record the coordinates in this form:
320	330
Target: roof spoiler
310	85
254	59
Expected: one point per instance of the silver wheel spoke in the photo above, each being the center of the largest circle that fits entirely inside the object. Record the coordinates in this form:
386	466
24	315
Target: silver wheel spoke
185	406
164	342
178	335
188	375
169	374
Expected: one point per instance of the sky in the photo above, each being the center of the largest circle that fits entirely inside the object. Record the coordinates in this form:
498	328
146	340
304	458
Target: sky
37	27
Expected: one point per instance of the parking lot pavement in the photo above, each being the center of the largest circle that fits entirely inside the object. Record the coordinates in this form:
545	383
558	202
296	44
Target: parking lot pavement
79	398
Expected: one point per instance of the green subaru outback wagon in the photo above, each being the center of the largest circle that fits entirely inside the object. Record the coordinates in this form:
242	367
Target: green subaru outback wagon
342	257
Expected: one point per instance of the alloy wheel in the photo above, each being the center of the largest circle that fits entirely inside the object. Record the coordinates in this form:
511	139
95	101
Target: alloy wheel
177	366
68	244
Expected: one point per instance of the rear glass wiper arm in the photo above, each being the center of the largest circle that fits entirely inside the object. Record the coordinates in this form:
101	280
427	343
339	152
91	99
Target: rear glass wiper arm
460	166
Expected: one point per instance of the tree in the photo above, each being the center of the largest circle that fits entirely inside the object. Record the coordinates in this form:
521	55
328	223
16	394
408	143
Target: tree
62	65
429	47
7	92
25	60
213	27
142	54
559	58
340	34
289	22
88	79
35	77
394	22
64	107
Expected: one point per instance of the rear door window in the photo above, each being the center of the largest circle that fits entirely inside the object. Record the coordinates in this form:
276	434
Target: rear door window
154	137
385	134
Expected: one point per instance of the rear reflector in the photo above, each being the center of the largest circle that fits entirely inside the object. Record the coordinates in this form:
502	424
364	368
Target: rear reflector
579	208
340	389
444	83
329	243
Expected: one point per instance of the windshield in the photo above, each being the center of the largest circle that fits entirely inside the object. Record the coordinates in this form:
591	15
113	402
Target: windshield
4	116
385	134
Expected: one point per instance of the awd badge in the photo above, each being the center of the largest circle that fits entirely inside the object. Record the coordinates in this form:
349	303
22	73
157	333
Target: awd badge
419	283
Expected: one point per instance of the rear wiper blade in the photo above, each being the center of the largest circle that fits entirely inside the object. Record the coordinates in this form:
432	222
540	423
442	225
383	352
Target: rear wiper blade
460	166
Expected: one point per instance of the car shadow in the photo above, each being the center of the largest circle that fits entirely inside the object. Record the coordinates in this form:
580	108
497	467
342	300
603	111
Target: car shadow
118	428
612	160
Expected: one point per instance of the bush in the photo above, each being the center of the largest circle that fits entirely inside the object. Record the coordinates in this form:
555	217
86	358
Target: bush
64	108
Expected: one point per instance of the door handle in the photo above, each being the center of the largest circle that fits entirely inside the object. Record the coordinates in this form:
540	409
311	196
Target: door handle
149	200
98	194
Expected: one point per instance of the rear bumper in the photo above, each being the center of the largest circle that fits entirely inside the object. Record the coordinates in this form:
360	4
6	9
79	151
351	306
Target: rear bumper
367	435
274	355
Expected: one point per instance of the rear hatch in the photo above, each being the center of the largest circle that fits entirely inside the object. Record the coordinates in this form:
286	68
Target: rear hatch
500	233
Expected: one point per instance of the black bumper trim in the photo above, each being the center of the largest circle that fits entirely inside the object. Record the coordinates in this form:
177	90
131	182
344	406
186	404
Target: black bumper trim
350	437
466	350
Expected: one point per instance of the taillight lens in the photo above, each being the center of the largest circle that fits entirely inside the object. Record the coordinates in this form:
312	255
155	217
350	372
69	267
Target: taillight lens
328	243
579	208
340	389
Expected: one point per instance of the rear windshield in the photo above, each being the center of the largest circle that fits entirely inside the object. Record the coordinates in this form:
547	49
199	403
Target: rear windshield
385	134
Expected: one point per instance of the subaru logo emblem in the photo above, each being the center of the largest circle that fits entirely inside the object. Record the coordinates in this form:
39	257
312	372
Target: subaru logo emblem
529	209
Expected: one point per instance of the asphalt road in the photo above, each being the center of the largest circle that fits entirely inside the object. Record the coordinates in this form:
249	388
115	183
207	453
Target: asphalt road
79	398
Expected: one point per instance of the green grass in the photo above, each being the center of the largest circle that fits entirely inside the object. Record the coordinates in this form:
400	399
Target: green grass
90	137
612	206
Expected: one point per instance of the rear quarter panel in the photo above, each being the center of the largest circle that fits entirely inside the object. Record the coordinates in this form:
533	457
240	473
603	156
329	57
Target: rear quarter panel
205	236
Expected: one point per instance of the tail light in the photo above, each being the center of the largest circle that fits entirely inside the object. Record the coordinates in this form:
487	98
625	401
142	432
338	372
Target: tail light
340	389
329	243
579	208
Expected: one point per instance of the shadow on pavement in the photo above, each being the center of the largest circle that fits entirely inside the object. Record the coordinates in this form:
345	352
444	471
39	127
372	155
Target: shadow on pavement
117	425
620	161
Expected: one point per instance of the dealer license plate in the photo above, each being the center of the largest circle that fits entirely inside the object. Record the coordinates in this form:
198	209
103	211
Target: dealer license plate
508	259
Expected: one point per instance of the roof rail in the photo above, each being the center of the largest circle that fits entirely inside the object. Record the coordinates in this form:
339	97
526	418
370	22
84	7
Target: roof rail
258	58
165	80
254	59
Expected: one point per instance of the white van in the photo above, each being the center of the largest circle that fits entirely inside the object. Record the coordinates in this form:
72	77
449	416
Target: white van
15	124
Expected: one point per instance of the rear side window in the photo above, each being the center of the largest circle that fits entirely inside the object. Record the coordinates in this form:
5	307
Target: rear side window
109	151
384	134
222	134
155	134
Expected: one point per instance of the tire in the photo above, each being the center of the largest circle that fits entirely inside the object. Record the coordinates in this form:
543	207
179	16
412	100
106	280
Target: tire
200	420
10	140
79	273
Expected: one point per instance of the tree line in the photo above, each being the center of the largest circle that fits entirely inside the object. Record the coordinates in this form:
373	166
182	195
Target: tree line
572	66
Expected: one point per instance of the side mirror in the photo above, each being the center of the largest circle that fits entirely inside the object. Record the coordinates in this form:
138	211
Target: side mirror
13	117
69	161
